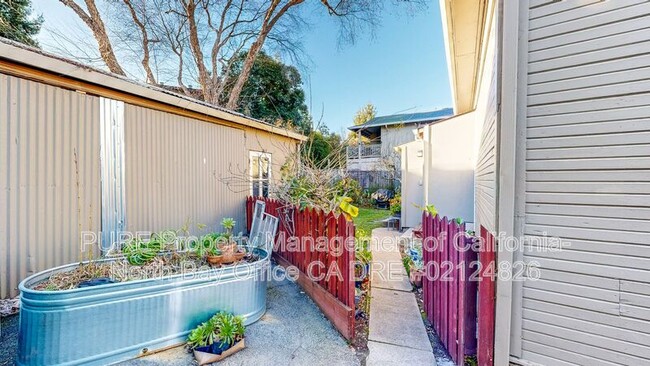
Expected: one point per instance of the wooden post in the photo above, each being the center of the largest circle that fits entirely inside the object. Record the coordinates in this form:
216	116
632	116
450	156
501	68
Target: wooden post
359	144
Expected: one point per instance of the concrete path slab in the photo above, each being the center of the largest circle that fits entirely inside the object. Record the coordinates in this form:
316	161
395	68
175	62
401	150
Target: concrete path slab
387	269
387	354
396	335
395	319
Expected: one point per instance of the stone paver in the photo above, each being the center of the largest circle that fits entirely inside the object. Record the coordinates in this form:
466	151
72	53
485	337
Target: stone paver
396	332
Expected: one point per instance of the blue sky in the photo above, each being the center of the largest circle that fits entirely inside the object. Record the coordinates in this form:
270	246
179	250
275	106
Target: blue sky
401	69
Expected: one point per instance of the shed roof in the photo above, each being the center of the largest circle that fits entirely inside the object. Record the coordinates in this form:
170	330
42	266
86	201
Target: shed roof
23	61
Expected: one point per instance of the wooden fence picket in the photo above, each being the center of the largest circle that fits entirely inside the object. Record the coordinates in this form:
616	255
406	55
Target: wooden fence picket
333	294
449	296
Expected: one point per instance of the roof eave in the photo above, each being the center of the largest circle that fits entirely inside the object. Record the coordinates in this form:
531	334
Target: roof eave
37	59
463	24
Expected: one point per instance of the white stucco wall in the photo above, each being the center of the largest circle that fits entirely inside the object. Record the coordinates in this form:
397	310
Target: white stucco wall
412	165
450	157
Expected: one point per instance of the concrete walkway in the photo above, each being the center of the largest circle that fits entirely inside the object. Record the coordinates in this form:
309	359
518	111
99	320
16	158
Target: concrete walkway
396	332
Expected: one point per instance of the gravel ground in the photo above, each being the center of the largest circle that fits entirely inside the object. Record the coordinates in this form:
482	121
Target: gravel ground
292	332
8	339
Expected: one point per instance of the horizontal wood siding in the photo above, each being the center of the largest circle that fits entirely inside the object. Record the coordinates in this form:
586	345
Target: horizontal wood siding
587	181
486	163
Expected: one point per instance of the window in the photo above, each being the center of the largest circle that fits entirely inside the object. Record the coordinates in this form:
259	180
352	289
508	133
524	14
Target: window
260	168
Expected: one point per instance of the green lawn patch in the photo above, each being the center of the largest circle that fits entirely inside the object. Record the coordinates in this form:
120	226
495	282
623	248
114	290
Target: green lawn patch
369	218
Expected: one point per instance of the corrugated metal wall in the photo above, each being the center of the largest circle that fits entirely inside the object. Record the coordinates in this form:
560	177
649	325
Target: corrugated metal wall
486	164
176	171
588	182
173	170
41	128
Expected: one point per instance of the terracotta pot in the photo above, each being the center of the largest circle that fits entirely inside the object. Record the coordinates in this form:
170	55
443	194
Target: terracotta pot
215	259
230	247
233	256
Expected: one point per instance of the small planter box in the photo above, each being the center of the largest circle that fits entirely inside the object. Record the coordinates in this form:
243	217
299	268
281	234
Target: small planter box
204	358
106	324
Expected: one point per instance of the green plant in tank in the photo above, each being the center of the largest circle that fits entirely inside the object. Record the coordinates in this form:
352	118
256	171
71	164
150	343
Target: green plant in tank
228	223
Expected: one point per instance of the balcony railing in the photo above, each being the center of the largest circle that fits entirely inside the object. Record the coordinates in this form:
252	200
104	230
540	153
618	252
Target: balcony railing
364	151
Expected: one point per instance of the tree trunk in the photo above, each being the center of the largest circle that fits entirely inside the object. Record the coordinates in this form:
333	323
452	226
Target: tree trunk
233	99
94	21
195	47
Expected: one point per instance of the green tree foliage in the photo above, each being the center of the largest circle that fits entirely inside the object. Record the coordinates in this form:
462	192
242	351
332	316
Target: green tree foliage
365	114
15	22
324	149
272	93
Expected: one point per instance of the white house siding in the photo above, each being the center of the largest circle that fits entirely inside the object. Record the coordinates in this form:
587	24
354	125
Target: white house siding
587	181
393	136
486	115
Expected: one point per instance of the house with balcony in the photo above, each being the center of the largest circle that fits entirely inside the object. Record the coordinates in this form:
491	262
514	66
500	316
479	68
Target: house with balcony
373	161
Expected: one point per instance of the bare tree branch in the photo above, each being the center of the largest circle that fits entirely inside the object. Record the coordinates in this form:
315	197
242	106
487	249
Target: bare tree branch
94	21
145	42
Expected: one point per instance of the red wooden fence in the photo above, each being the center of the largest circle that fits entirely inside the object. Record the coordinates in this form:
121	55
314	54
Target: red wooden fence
459	288
321	246
486	298
449	293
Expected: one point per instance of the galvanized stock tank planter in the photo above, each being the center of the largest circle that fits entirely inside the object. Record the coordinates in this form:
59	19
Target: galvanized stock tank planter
115	322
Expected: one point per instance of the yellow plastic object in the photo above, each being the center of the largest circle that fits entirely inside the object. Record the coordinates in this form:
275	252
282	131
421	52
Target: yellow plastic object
348	209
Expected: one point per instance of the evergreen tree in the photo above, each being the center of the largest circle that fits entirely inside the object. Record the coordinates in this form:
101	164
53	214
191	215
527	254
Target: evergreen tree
272	93
16	22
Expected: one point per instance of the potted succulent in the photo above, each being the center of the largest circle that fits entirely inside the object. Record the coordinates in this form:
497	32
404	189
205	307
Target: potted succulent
214	255
227	244
228	223
231	253
219	337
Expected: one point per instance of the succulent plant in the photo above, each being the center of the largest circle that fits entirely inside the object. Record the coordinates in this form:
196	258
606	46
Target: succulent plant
228	223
